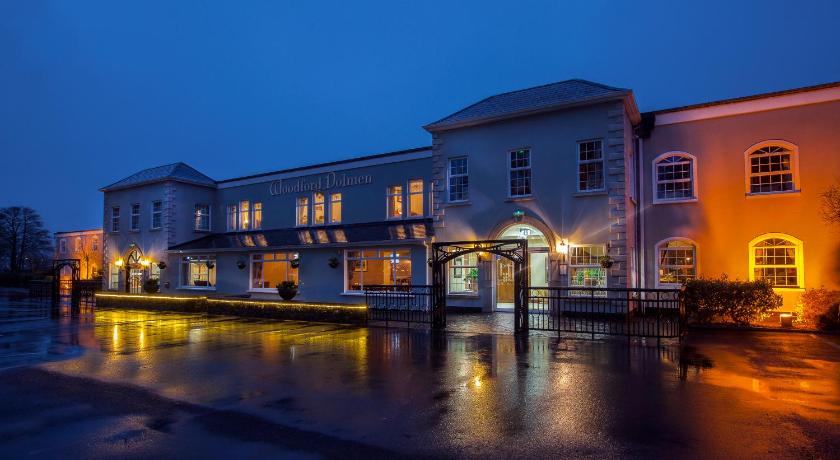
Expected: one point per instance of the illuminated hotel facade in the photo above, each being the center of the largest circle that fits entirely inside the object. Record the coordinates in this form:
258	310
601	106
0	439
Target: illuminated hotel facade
730	187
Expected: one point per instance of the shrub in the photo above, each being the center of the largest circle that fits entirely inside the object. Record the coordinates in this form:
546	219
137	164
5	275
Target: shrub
820	308
287	290
151	286
720	299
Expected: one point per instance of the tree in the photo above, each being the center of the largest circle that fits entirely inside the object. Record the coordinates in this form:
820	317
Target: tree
24	242
831	204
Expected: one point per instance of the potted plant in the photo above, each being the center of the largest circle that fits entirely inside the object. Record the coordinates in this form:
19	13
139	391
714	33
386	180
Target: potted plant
333	262
161	265
287	290
240	264
151	286
606	261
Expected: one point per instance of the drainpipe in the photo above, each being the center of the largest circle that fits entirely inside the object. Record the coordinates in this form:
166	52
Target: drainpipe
640	211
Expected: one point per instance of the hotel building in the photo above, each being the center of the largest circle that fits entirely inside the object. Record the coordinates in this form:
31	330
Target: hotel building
730	187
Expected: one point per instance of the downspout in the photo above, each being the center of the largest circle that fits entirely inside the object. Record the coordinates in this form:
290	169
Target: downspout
640	211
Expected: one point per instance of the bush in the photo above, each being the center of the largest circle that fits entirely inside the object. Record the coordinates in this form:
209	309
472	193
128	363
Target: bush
820	308
151	286
720	299
287	290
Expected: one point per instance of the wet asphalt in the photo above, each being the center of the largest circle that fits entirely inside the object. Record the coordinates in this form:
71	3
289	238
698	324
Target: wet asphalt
135	384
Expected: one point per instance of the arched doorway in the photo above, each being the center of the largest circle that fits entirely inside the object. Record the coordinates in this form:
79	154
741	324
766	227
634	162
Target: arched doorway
135	271
503	268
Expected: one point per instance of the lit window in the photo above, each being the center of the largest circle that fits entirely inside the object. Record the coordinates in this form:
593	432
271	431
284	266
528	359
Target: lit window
157	214
256	221
135	217
318	209
590	166
269	270
202	217
463	274
335	208
395	201
154	272
520	173
114	278
302	212
677	262
62	246
415	198
231	218
459	180
115	219
95	244
585	269
771	168
78	244
198	272
777	258
244	215
674	175
366	268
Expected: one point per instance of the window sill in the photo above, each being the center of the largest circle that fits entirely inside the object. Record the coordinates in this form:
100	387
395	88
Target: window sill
686	200
457	203
514	199
770	194
592	193
156	229
788	289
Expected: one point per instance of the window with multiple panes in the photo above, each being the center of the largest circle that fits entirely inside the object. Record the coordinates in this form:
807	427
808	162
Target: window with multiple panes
585	269
335	208
463	274
202	217
157	214
198	271
115	219
459	180
302	211
677	262
256	219
771	170
94	244
135	217
675	177
232	217
415	198
775	260
520	173
590	166
395	201
78	244
244	215
377	267
318	209
270	269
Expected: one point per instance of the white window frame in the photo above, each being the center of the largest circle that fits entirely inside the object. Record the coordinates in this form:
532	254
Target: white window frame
298	207
256	209
693	171
794	164
338	201
389	195
154	213
200	258
132	217
115	219
409	194
451	266
197	217
799	259
243	216
378	256
579	163
597	264
288	261
511	170
315	204
450	176
657	259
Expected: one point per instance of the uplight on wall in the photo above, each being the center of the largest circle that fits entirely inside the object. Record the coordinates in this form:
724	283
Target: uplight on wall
118	262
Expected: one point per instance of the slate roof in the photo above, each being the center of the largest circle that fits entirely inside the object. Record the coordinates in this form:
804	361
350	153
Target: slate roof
179	172
293	238
527	101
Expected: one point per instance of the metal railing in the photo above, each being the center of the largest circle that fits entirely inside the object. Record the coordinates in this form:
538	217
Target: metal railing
633	312
408	304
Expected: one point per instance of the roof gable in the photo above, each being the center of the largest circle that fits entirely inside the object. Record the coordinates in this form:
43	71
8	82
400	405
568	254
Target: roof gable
543	98
180	172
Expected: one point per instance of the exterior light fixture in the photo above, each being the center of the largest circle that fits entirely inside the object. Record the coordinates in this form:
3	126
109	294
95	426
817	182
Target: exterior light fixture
118	262
563	246
144	262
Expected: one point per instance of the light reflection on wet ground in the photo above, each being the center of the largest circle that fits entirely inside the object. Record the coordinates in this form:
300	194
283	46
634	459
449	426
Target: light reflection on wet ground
460	393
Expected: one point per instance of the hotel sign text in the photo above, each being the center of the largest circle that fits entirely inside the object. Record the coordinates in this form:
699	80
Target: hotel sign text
323	182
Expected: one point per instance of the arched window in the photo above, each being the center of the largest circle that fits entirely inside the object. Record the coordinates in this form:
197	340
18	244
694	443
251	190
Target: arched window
676	261
772	167
674	177
777	258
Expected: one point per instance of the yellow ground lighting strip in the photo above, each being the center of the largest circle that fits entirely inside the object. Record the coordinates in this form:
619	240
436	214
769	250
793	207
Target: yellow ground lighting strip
290	304
150	297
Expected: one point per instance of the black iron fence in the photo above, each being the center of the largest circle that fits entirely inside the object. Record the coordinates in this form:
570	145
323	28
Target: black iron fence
409	304
658	313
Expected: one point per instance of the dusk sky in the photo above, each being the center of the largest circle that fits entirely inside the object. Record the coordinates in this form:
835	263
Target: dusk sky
93	91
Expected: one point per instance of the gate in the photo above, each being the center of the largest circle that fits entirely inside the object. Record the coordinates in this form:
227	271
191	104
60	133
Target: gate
631	312
409	304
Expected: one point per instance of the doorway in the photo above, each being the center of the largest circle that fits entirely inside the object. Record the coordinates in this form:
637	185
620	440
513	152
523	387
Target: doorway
538	264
